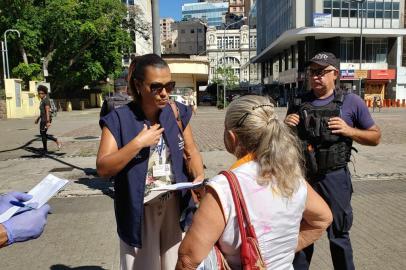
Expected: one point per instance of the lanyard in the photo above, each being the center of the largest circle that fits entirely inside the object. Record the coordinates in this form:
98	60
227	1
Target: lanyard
160	148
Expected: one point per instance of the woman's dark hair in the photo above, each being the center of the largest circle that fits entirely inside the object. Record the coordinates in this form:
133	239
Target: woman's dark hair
137	68
42	88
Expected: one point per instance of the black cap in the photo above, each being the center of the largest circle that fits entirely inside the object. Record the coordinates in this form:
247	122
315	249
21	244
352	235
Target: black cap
120	82
325	59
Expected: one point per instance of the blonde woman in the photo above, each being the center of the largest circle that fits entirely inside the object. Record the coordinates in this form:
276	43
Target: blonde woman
286	212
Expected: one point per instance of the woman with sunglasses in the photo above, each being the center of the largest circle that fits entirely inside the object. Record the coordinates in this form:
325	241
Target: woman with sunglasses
143	146
269	172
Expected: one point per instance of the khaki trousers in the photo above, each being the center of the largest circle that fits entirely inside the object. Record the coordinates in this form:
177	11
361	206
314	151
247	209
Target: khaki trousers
161	237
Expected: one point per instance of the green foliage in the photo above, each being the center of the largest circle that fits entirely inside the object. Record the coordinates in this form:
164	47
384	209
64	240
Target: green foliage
28	72
226	74
79	42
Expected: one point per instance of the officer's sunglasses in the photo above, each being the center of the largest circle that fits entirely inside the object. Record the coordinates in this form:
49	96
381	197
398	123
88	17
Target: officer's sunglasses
318	72
158	87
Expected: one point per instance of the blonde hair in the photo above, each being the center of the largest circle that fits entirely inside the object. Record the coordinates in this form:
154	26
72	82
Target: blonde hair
274	146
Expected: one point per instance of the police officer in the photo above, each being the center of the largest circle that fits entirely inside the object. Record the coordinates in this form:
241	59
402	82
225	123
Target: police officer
327	122
118	99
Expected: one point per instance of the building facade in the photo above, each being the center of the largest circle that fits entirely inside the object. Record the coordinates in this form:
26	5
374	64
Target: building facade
290	32
166	25
211	12
190	37
236	7
232	48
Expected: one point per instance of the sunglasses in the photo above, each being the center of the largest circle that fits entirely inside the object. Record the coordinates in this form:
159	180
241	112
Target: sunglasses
158	87
318	72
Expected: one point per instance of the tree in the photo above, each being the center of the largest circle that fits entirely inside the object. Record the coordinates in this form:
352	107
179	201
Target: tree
78	42
226	75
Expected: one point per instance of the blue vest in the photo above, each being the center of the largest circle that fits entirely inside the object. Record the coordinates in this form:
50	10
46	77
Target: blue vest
125	123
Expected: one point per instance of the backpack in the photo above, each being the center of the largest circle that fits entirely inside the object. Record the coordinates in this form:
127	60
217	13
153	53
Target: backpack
113	102
54	110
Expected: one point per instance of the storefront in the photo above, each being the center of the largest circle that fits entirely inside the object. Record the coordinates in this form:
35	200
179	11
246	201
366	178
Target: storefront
376	83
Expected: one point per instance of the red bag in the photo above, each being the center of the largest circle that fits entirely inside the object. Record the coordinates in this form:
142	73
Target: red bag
251	258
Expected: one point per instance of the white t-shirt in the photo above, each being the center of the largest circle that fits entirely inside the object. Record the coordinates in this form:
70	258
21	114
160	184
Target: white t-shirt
276	219
158	154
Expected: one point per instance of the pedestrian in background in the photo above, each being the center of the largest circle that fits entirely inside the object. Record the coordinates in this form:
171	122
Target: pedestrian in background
143	146
45	119
118	99
327	122
275	192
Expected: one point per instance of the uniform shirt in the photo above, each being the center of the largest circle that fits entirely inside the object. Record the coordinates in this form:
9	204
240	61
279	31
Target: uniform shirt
276	219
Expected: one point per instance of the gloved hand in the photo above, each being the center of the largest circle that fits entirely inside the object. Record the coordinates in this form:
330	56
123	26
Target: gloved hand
12	196
27	225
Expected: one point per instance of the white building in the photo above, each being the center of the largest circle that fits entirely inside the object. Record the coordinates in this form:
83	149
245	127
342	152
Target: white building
291	32
232	48
142	43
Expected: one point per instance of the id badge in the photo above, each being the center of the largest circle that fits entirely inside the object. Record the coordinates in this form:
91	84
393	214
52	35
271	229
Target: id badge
161	170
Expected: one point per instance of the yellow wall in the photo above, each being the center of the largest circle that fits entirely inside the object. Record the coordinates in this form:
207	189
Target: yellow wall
21	103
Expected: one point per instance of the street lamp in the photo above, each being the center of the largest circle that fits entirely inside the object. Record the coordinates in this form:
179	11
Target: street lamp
7	74
359	2
224	56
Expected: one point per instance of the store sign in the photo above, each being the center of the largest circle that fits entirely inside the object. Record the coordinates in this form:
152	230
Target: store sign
361	74
384	74
321	20
347	74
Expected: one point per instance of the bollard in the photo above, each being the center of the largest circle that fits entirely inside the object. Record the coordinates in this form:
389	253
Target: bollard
403	103
398	103
68	106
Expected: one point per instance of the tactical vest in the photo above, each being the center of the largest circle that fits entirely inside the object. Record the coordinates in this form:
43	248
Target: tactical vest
324	151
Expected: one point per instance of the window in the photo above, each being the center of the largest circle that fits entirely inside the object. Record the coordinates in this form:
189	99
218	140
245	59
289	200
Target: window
182	31
192	31
200	30
376	50
347	50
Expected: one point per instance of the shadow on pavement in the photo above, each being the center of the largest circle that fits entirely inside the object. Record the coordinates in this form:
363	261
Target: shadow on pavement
64	267
102	184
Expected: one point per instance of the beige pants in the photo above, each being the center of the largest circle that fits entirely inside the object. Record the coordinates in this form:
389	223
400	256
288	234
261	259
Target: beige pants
161	237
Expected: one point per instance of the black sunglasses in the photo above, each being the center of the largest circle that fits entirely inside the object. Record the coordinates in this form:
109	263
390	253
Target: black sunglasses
158	87
318	72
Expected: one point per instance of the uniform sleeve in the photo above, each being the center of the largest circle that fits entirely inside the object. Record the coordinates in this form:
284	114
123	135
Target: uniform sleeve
185	113
363	118
112	122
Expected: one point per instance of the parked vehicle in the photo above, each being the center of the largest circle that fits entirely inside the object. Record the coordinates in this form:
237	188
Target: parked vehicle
178	98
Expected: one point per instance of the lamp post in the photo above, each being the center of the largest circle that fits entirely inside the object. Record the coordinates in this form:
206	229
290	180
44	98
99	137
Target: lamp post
224	56
360	3
6	50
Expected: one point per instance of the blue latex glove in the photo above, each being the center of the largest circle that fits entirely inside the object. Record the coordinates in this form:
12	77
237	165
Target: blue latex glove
12	196
27	225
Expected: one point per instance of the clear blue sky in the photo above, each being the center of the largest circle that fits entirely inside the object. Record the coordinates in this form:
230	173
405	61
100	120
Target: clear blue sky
172	8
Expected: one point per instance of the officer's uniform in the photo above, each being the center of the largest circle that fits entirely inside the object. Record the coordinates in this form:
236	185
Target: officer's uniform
326	156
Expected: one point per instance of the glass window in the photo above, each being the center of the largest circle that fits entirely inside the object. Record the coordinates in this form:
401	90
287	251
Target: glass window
396	14
379	5
344	13
192	31
388	6
336	13
345	4
396	5
353	13
327	3
336	3
371	14
379	14
327	11
371	5
347	50
388	14
376	50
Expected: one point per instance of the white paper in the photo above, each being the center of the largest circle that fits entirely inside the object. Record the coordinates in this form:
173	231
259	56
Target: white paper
159	191
41	193
178	186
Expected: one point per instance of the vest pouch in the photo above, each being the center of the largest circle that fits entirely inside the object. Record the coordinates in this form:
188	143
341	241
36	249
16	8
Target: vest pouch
312	126
332	158
326	136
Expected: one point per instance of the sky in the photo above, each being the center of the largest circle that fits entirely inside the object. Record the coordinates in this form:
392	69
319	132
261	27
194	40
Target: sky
172	8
